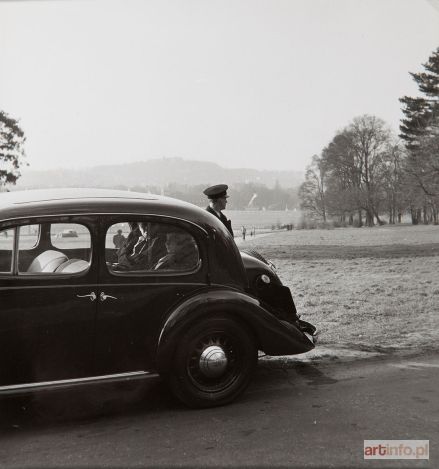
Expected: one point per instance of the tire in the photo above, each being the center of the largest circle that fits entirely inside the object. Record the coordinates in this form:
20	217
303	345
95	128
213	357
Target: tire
213	362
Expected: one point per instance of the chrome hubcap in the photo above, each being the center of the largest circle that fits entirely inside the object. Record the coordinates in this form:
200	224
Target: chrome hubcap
213	361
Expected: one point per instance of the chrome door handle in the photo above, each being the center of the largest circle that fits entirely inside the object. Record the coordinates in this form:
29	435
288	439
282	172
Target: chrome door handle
103	296
91	295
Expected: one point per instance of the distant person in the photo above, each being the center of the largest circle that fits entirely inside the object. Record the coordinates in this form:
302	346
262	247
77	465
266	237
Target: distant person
119	239
217	196
243	232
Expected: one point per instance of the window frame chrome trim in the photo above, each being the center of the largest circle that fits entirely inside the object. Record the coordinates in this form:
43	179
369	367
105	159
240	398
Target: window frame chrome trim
86	214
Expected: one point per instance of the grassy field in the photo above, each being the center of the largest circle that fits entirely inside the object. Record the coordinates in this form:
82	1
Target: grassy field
262	219
369	289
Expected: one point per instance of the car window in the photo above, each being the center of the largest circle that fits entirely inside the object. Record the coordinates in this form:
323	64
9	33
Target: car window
6	250
150	247
29	236
69	235
64	248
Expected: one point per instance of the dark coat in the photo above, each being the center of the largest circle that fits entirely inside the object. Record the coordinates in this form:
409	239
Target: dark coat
226	222
143	255
183	260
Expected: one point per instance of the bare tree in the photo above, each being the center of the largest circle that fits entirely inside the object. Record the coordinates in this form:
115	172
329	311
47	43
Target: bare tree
356	160
393	180
312	191
343	178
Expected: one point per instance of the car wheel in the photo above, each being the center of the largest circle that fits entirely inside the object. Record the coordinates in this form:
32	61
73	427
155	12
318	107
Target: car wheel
213	362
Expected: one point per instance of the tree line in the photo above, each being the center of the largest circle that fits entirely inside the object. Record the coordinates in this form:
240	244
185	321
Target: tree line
366	171
250	196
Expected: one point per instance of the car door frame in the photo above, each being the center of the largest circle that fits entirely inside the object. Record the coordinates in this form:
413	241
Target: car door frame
53	315
127	333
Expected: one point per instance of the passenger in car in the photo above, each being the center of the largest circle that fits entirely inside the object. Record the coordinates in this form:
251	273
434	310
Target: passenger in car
125	251
151	250
144	247
182	253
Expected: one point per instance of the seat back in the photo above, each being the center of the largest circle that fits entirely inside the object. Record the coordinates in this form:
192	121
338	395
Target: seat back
47	261
72	266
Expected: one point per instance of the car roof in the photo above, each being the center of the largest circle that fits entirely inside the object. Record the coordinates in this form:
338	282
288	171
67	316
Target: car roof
42	202
45	195
28	205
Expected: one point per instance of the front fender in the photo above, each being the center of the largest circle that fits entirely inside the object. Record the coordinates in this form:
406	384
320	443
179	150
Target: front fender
272	336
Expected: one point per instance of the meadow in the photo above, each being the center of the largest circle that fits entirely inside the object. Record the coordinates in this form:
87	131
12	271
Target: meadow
366	289
262	219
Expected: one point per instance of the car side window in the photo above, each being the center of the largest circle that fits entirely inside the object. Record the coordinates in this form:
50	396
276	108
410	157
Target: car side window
69	235
150	247
6	250
66	249
29	236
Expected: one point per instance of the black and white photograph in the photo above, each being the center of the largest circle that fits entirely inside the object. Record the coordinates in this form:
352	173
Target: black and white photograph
219	234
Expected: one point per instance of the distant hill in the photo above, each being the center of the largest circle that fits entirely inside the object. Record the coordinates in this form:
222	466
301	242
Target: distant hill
156	172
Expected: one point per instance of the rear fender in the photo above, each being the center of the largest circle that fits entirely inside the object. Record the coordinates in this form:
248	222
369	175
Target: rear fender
271	335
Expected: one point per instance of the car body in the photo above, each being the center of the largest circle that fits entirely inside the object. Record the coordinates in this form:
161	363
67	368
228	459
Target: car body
82	310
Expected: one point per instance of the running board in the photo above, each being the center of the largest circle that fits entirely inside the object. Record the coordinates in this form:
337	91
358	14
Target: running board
67	383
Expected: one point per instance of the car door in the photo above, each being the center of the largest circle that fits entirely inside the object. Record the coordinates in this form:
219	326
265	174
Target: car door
135	298
48	291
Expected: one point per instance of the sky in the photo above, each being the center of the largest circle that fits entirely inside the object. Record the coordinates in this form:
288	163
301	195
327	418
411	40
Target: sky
261	84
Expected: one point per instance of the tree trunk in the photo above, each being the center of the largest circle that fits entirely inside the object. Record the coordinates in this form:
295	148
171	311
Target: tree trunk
369	218
425	215
413	216
391	216
360	218
379	221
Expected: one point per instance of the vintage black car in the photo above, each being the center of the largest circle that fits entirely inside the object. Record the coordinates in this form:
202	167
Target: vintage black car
149	286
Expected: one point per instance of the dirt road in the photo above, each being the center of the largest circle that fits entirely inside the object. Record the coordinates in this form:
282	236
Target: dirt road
304	415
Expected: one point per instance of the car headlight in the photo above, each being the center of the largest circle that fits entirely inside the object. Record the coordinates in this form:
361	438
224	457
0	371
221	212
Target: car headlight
265	278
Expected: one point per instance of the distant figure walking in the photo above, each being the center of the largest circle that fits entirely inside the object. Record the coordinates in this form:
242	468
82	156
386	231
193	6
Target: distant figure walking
118	239
217	196
243	232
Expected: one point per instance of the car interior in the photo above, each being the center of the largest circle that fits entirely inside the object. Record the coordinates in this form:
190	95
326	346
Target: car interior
143	245
45	249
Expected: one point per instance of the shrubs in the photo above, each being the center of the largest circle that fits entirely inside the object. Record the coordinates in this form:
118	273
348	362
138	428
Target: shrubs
310	224
340	224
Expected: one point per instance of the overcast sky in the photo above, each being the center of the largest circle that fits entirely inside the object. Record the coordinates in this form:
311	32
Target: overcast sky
246	83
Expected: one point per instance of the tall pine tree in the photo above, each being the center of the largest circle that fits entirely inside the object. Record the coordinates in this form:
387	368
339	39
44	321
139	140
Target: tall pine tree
422	113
